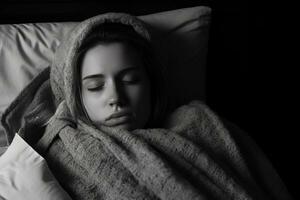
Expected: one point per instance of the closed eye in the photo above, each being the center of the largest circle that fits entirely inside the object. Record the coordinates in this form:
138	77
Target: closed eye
131	77
131	81
100	87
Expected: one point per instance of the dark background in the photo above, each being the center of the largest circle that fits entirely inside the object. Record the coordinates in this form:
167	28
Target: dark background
247	69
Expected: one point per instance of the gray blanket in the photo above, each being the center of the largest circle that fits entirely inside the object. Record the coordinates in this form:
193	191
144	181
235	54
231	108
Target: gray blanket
193	157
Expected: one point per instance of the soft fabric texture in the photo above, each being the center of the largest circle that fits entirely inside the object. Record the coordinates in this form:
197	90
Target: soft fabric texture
193	156
24	174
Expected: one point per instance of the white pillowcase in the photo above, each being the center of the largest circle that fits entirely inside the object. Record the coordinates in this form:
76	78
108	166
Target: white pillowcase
24	174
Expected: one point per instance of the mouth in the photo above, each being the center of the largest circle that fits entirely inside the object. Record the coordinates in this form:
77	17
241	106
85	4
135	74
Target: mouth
122	117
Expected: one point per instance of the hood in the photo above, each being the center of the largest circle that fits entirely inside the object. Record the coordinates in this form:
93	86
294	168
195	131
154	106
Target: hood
39	99
63	66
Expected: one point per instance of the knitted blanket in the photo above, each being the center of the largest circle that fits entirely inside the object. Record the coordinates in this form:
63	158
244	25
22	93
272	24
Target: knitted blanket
195	155
192	157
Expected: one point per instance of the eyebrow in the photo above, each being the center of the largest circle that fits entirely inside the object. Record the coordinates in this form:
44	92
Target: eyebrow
120	73
93	76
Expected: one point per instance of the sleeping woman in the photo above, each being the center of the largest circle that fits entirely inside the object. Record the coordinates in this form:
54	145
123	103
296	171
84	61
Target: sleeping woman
99	116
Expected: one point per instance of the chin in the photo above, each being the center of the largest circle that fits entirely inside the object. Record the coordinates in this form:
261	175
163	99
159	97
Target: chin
128	127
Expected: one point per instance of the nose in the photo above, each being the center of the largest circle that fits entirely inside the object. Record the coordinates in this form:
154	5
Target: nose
114	98
113	102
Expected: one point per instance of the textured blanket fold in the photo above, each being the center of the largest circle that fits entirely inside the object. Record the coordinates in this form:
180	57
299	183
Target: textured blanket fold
194	156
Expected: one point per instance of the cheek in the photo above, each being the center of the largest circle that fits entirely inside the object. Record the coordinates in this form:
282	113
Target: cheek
93	105
140	102
139	96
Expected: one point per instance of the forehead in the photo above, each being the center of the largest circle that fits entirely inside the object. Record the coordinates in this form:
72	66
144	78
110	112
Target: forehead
109	59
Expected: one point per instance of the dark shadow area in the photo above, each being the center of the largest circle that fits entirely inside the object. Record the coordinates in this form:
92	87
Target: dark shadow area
247	78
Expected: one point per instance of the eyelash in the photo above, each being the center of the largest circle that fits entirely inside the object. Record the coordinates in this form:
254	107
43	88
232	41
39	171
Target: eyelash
133	81
96	88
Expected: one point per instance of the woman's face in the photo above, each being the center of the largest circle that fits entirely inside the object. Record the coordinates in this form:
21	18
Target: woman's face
115	87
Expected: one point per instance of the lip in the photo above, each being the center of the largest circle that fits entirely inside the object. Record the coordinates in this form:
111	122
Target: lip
116	121
119	118
120	114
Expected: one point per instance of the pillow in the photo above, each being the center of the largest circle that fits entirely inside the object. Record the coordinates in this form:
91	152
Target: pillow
180	38
22	167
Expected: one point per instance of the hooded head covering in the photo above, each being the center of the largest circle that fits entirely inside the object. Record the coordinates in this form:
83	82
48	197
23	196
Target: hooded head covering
41	97
64	65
